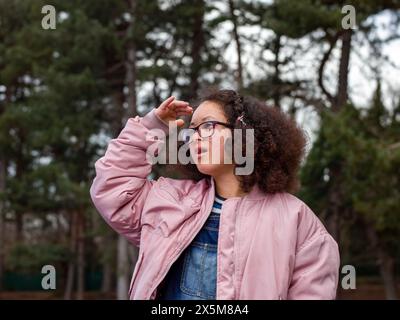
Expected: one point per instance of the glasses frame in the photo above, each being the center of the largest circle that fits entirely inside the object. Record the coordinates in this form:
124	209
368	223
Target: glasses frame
213	122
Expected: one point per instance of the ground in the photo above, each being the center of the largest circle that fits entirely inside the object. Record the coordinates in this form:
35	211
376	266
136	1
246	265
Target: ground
366	289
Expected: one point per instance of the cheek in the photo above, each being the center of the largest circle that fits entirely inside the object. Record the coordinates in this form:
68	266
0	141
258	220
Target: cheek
217	150
192	149
220	146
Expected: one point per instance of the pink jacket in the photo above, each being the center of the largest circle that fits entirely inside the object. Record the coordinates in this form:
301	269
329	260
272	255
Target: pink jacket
270	246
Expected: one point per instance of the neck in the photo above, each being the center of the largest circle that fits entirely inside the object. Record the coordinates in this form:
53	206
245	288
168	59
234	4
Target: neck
228	186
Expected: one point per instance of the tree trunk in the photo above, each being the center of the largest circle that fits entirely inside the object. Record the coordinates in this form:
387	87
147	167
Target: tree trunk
198	42
107	262
339	101
122	269
2	213
276	79
239	71
123	265
80	256
387	268
133	254
69	286
335	196
342	93
130	67
386	264
131	80
107	275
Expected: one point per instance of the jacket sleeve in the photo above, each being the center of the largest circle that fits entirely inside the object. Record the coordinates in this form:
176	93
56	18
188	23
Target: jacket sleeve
316	268
120	187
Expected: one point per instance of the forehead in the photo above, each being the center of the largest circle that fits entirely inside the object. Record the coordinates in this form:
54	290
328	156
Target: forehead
208	110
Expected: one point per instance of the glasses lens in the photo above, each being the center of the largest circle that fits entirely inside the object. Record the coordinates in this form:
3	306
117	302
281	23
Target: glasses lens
206	129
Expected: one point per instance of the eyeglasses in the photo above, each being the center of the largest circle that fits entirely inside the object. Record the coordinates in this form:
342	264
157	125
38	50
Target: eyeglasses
205	130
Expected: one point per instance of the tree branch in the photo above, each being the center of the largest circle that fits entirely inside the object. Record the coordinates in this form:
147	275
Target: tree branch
332	42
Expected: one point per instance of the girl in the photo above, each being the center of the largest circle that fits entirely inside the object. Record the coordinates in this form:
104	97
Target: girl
223	236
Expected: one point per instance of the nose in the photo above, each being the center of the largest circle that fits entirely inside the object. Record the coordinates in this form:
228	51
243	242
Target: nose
196	136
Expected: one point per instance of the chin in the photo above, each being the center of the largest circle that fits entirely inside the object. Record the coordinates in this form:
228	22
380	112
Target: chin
208	169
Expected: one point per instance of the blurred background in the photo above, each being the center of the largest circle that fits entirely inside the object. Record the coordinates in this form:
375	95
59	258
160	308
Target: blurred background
66	91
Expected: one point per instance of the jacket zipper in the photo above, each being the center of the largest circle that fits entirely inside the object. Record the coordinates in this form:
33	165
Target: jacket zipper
179	252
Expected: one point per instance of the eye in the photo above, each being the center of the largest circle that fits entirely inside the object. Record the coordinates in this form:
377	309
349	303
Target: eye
208	125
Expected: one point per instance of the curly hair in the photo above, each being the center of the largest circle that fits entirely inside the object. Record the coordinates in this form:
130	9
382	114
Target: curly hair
279	144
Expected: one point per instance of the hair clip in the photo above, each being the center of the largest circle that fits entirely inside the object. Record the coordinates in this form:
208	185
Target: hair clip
240	118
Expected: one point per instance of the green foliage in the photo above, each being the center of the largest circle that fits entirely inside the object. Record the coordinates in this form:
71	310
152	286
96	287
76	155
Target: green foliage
296	19
31	258
360	144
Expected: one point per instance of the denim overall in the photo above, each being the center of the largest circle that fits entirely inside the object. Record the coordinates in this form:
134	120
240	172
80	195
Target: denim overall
193	275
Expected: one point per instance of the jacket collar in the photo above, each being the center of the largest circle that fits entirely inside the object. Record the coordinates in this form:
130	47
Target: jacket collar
254	194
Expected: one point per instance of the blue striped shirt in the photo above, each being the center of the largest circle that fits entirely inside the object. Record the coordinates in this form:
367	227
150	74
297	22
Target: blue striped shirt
218	201
212	223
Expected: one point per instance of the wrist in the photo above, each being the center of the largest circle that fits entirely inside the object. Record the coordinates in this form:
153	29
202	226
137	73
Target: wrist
152	121
159	118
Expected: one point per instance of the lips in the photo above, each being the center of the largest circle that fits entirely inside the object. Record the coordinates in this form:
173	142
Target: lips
200	150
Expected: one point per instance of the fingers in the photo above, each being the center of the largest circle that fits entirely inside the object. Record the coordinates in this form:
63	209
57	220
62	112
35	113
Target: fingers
181	106
171	103
178	105
179	122
185	110
182	112
166	103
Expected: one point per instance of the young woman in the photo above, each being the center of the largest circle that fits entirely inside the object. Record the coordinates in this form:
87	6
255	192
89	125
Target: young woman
224	236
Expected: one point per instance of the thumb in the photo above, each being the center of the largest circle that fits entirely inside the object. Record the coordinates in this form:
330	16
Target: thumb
179	122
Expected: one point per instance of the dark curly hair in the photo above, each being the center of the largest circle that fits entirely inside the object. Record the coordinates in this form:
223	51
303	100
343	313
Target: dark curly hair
279	144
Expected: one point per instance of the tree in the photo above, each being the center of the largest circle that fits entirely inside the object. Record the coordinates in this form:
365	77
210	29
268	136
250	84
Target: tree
361	144
53	109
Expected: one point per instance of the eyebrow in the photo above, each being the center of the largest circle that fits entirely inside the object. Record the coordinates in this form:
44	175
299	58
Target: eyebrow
201	120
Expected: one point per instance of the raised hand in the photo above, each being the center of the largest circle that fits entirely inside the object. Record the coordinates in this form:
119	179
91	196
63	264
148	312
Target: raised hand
170	109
